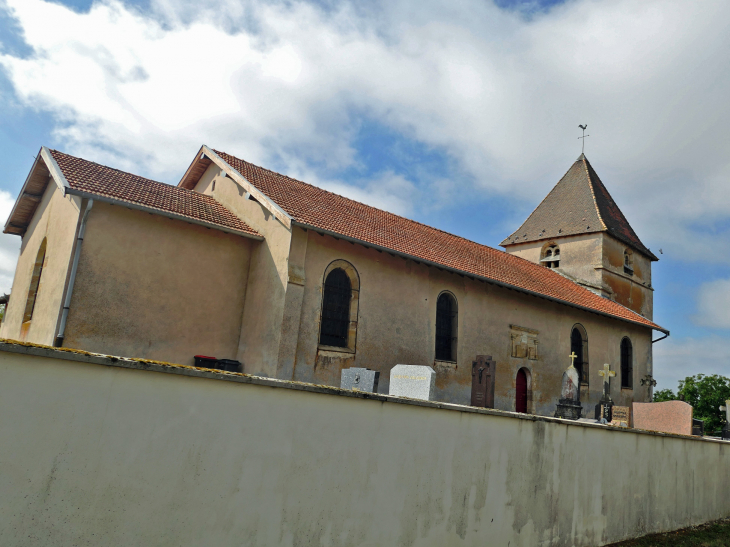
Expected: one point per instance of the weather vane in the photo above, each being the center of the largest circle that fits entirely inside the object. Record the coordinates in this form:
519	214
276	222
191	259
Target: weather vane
583	127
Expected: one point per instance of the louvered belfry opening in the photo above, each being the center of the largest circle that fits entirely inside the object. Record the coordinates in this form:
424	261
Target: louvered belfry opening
627	366
336	309
446	316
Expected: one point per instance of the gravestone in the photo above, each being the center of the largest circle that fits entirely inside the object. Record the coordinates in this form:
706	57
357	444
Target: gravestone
667	417
569	406
621	416
726	428
482	381
414	381
604	406
698	427
359	379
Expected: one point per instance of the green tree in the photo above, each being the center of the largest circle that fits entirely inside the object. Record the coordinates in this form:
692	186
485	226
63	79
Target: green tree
706	393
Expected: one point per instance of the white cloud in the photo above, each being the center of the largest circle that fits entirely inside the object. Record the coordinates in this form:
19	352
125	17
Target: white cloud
502	96
713	304
9	245
677	358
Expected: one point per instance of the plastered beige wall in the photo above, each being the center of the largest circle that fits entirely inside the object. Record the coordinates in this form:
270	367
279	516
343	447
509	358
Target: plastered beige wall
397	319
151	287
102	455
261	327
55	219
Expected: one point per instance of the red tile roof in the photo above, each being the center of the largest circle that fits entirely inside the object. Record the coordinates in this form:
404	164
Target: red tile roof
324	210
578	204
99	180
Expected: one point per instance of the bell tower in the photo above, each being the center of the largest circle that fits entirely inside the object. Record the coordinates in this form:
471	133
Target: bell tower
579	231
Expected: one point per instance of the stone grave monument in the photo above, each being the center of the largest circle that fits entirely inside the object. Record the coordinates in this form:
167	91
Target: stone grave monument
604	406
667	417
360	379
414	381
569	404
620	416
726	429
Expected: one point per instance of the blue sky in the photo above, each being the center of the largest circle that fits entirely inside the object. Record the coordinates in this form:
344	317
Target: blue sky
460	117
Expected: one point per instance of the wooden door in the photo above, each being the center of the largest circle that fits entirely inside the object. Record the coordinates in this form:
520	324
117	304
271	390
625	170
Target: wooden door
521	392
482	381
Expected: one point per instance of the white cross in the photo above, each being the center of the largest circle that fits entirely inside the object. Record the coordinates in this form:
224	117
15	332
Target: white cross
726	409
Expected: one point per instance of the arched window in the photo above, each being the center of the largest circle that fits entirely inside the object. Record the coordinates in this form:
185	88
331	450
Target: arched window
628	262
551	256
579	346
523	391
35	282
338	327
627	364
446	327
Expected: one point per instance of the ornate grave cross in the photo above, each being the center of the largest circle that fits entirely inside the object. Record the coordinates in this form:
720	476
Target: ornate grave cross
573	357
726	410
607	374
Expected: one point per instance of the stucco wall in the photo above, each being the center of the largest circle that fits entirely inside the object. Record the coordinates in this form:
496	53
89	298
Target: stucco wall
55	220
151	287
104	455
397	318
261	327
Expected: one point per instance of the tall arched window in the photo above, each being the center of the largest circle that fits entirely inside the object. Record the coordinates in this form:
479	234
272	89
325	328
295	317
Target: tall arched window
35	282
338	327
446	327
579	346
627	363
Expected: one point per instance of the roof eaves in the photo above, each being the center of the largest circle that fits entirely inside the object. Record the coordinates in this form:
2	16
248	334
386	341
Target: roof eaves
162	212
475	276
263	199
58	177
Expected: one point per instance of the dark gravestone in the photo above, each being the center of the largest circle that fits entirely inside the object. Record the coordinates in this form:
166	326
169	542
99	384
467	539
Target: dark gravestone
482	381
698	427
605	405
360	379
726	432
569	406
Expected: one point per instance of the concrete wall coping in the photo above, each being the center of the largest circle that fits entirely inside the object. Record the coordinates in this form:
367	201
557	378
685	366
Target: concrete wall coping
67	354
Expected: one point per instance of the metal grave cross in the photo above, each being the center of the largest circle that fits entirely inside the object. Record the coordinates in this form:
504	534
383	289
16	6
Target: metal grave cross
607	374
726	409
573	357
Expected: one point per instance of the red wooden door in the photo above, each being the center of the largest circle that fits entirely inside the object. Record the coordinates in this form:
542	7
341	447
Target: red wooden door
521	395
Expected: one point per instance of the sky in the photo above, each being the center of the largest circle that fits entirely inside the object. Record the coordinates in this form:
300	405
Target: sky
462	115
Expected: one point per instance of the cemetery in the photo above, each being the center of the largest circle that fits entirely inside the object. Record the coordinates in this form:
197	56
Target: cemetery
130	448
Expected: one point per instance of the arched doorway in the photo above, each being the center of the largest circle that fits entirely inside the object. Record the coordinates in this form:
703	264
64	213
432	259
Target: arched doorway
521	393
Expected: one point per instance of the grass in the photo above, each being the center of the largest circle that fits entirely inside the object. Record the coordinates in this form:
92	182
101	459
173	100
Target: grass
712	534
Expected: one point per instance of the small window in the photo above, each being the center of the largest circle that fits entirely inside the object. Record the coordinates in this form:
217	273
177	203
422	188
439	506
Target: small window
446	327
551	256
628	262
35	283
338	326
627	364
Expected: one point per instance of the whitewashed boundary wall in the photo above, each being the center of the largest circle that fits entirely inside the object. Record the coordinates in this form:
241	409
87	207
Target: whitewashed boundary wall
116	452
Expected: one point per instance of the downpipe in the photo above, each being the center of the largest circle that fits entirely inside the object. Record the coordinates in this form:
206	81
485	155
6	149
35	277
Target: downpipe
58	342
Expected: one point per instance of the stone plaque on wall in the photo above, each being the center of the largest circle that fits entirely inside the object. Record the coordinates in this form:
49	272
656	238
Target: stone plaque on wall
524	342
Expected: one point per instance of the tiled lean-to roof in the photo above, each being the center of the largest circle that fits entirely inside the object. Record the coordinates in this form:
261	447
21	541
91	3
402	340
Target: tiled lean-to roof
578	204
329	212
91	178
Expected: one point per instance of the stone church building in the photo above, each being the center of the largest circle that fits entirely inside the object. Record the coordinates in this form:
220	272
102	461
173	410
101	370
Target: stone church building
297	283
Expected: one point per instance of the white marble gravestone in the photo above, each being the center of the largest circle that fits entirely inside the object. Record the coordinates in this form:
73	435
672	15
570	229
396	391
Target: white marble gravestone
414	381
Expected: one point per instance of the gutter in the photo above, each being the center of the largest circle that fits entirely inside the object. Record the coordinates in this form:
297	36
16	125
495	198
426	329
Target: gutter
460	272
167	214
666	333
58	342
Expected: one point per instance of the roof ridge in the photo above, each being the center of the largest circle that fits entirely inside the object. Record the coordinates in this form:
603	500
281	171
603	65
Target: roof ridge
165	184
360	203
593	191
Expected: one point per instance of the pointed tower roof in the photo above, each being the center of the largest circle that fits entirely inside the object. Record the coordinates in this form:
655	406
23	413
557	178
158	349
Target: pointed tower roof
578	204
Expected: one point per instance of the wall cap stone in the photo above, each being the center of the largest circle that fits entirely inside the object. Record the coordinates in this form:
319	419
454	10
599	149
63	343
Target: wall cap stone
67	354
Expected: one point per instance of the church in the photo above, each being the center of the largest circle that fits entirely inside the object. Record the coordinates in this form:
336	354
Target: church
296	283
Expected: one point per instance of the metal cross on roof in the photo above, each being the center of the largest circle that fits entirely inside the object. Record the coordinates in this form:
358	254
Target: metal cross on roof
583	127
